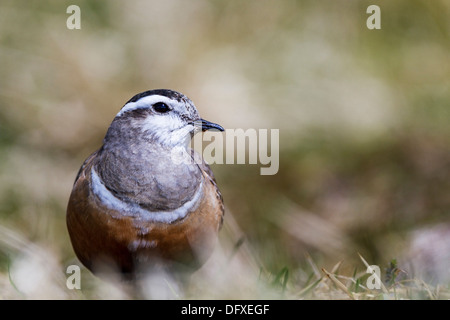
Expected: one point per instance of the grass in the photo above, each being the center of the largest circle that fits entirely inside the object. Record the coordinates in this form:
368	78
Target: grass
225	276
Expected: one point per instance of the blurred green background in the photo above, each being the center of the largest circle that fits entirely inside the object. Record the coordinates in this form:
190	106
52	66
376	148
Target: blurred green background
364	120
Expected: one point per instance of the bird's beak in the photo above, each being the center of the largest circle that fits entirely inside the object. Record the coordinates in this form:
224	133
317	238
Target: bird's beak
207	125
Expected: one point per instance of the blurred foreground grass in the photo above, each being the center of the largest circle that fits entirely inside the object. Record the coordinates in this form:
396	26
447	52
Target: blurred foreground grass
36	274
364	122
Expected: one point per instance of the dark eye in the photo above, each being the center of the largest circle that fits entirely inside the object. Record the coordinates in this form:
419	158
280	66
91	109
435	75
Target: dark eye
161	107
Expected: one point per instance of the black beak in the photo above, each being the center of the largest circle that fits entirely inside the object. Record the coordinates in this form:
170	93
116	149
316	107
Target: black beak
206	125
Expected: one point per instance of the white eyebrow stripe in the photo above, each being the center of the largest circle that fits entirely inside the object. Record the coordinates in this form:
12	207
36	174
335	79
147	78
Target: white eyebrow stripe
144	102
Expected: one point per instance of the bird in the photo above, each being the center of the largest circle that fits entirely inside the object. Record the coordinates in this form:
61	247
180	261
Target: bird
144	200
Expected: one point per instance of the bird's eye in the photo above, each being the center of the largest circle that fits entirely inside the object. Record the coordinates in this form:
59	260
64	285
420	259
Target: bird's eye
161	107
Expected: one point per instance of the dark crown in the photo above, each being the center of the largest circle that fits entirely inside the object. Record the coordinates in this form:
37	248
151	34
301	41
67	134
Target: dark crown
162	92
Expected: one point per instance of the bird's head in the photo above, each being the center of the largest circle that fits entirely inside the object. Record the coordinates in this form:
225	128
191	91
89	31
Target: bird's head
162	116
